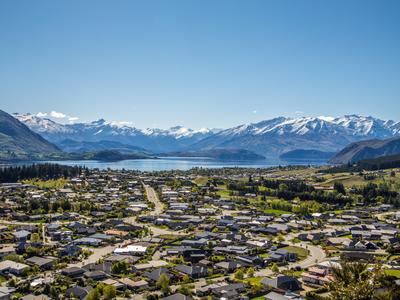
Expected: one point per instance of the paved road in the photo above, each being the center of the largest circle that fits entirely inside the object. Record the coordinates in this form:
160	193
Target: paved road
153	198
315	255
158	209
97	254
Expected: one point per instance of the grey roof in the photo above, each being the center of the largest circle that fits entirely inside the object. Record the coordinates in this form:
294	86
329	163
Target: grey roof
282	282
177	296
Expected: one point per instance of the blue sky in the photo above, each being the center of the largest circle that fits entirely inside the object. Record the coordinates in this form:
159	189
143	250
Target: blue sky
200	63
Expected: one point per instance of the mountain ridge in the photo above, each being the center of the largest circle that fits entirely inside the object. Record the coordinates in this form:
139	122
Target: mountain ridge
17	141
367	149
269	138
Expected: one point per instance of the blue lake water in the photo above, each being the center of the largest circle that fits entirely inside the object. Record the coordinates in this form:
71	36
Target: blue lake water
178	163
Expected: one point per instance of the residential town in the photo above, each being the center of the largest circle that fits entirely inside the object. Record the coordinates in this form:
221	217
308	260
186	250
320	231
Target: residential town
274	234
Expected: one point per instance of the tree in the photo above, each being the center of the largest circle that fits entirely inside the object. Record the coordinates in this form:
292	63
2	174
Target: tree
339	187
163	283
238	274
94	294
35	237
109	292
280	238
120	267
274	268
353	281
185	290
250	272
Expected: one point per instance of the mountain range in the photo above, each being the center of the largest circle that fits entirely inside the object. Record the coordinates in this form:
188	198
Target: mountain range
270	138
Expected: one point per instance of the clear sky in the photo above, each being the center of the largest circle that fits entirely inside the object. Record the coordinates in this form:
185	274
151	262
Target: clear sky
200	63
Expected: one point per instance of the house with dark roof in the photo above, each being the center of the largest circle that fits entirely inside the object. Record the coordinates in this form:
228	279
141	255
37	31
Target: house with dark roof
194	272
177	296
44	263
156	273
78	292
282	282
73	272
228	266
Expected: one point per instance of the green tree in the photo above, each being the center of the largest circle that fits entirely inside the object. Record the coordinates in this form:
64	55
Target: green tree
35	237
185	290
109	292
163	284
94	294
120	267
339	187
250	272
239	274
274	268
353	281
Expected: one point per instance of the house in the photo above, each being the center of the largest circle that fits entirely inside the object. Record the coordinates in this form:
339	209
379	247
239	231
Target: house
95	275
88	241
360	256
12	267
6	250
73	272
21	236
104	267
155	274
228	266
282	282
281	255
177	296
286	296
6	292
251	260
70	250
118	258
316	276
194	272
35	297
117	284
44	263
339	241
78	292
131	249
134	285
229	291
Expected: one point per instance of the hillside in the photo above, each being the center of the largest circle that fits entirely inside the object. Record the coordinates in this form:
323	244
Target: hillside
367	149
307	155
18	142
220	154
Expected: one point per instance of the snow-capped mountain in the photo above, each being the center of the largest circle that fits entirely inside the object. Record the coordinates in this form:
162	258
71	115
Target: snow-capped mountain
279	135
153	139
269	138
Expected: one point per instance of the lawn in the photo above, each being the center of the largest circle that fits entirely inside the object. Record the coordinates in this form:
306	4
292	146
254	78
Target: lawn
277	212
253	281
223	193
301	252
264	255
258	298
395	273
201	180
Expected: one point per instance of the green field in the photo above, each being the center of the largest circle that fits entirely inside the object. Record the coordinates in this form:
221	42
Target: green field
301	252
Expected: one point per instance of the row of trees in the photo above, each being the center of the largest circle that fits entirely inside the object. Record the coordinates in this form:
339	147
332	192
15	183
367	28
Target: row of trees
42	171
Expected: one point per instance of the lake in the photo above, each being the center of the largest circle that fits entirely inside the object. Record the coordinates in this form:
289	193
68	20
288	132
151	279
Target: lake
178	163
